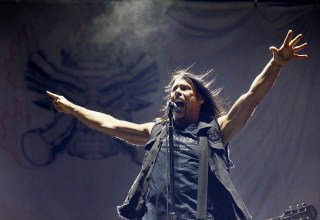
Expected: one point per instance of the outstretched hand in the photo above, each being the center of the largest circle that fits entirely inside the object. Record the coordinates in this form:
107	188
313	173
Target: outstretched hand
60	102
288	50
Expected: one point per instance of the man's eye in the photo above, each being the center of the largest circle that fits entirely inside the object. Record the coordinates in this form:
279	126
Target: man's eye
184	88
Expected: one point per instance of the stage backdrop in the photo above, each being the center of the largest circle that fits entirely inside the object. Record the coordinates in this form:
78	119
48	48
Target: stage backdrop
116	57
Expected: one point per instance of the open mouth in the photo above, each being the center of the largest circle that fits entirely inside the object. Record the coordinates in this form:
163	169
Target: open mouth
180	103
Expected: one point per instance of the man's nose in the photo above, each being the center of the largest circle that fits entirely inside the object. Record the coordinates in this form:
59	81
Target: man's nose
177	93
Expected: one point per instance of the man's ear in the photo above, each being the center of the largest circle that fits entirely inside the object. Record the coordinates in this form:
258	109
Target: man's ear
201	99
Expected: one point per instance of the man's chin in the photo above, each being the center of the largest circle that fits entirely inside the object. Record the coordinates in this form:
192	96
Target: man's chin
179	115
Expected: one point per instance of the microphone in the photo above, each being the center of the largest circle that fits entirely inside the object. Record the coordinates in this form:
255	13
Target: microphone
172	105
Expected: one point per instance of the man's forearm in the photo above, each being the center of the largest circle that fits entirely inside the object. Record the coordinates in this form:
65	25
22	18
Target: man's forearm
132	133
92	119
264	81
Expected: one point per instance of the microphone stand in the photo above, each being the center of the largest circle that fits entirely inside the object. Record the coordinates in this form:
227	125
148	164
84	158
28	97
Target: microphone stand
172	214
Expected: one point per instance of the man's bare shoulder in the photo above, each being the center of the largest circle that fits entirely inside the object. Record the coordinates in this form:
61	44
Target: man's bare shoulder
221	120
147	126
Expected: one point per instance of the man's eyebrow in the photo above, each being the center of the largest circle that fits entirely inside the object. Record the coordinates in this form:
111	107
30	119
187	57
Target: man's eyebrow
182	85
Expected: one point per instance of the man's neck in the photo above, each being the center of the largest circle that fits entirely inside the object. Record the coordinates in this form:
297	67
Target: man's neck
183	123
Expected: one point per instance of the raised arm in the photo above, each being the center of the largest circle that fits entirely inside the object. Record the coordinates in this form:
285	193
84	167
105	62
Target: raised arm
136	134
243	108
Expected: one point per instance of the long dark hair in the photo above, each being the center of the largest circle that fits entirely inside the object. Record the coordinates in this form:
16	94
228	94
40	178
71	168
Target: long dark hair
213	106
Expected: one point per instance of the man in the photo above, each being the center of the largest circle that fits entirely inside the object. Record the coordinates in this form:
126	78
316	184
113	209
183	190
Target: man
197	112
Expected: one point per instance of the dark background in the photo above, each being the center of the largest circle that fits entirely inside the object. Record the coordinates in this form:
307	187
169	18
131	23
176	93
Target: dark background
116	57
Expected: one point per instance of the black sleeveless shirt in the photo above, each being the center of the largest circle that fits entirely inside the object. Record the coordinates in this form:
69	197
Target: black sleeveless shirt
147	197
186	162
